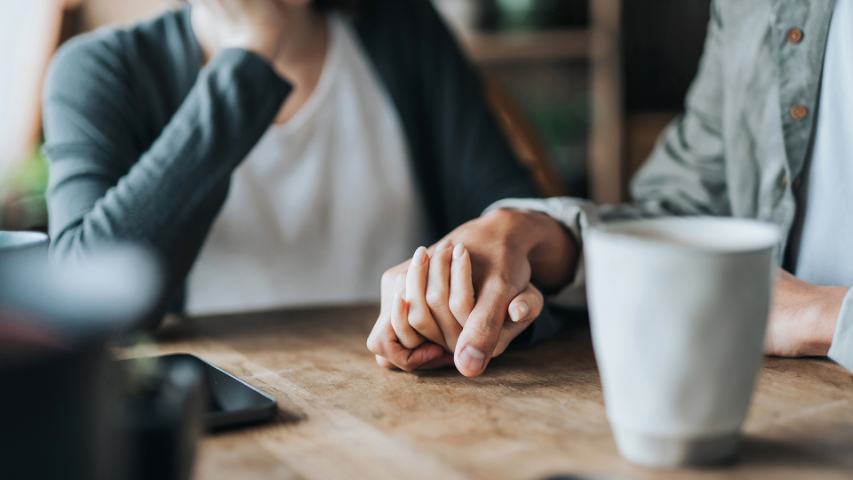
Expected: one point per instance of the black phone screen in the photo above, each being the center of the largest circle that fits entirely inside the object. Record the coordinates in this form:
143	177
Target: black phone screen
231	402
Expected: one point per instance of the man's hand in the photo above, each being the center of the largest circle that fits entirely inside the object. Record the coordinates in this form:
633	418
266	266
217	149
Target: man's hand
506	249
802	318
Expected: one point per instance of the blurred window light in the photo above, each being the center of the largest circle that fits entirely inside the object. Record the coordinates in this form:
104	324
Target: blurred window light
29	32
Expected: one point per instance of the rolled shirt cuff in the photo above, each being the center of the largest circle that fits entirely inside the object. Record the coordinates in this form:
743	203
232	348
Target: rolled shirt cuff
841	350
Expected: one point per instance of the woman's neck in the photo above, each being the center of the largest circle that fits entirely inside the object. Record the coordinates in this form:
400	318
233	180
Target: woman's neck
302	58
305	40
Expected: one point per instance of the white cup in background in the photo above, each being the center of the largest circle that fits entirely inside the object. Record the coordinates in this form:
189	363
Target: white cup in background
679	308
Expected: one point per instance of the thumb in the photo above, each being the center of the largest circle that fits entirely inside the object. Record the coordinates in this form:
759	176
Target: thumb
481	332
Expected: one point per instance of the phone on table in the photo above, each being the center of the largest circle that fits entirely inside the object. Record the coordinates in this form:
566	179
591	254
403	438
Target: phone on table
231	402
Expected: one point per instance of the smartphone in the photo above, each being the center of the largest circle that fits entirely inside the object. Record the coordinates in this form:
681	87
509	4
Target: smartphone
231	402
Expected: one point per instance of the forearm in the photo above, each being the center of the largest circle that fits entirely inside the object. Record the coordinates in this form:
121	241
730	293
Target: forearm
166	194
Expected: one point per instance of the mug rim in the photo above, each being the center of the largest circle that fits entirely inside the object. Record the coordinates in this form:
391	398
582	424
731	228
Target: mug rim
20	239
765	235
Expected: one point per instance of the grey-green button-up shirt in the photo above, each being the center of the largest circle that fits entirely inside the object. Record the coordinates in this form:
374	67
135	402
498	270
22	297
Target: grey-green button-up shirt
743	141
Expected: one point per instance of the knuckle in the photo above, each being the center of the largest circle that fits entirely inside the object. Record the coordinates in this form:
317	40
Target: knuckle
389	278
502	249
501	285
436	298
374	344
484	329
384	363
419	322
459	306
479	331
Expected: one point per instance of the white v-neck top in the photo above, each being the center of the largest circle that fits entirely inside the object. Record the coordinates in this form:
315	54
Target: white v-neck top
321	206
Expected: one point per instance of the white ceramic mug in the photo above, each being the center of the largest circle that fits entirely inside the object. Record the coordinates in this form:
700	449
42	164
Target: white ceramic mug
679	309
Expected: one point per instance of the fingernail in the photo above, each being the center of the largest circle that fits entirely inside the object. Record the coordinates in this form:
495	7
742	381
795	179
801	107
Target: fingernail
420	256
458	250
519	311
443	245
472	359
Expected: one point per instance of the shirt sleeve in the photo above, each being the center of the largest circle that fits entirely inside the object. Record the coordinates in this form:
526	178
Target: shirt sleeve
685	174
841	350
473	159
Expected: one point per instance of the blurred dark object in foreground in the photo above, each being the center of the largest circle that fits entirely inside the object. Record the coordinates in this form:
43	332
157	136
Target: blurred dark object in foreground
163	417
66	409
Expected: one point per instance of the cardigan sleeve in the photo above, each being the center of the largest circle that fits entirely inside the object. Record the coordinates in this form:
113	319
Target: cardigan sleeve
106	188
475	163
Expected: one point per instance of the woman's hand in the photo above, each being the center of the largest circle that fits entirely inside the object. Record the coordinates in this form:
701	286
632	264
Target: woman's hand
253	25
394	342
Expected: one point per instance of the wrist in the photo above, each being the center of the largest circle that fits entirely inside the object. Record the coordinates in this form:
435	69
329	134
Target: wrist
550	248
554	258
828	302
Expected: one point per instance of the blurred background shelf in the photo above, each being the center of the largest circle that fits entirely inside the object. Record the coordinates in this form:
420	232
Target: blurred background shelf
526	47
596	81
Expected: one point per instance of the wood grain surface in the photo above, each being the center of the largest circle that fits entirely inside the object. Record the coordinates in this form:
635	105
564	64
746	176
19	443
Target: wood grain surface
534	414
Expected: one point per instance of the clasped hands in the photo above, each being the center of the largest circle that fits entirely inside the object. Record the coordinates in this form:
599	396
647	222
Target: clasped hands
465	299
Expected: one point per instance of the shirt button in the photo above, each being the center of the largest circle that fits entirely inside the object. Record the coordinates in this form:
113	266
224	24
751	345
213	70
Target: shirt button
795	35
799	112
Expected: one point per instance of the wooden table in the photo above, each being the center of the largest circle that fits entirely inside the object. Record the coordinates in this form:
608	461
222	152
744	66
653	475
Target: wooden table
534	413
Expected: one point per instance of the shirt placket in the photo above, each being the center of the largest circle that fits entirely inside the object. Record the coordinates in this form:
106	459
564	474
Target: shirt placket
799	33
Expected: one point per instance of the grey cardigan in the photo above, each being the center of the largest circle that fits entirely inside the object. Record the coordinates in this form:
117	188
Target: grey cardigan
142	138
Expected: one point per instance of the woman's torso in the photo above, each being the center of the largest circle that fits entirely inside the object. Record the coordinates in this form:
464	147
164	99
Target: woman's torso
322	205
